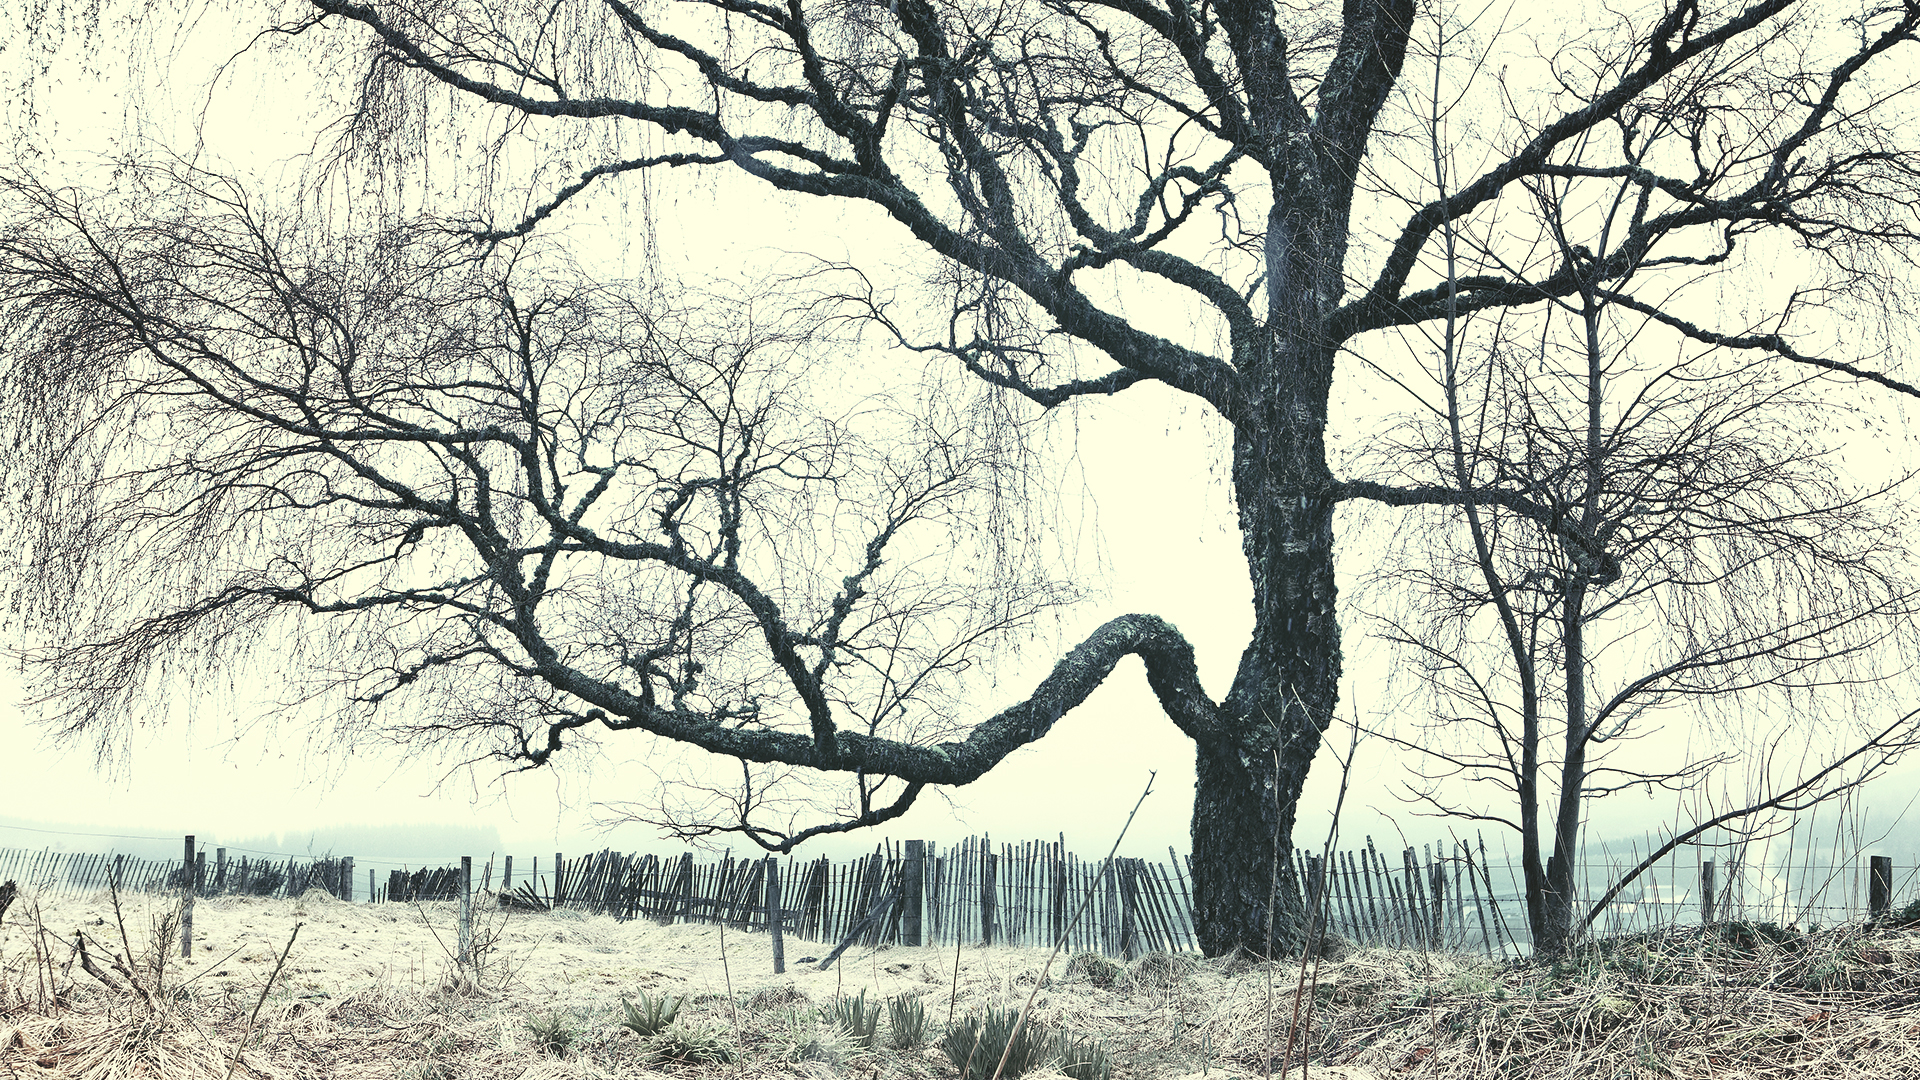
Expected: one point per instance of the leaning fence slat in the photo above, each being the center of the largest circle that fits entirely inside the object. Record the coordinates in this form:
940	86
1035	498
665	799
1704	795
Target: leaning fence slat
1353	905
1149	912
1466	856
1157	939
1186	896
1162	910
1501	935
1182	918
1416	906
1056	895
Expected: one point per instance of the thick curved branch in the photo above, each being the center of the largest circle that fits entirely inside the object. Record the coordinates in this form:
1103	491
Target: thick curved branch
671	118
613	168
1207	377
1171	672
1556	521
1177	26
1049	396
1366	64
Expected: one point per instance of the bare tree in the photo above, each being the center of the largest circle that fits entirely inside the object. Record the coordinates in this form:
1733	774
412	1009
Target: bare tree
1742	576
1239	156
1759	598
526	504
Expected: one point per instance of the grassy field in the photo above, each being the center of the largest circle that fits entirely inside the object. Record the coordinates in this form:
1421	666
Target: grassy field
371	991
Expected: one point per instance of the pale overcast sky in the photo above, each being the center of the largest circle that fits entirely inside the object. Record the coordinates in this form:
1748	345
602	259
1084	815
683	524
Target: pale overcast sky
1149	465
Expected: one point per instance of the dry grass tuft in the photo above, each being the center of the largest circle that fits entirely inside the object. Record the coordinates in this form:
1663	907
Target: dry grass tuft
1725	1002
100	1046
1159	971
124	1020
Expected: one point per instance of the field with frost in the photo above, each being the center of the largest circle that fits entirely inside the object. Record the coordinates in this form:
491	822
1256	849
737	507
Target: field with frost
371	991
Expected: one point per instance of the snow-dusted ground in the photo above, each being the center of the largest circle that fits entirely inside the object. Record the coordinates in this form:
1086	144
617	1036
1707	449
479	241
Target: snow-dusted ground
372	990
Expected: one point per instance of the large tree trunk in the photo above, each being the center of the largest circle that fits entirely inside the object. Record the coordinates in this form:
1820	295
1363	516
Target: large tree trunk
1284	693
1236	820
1248	785
1288	682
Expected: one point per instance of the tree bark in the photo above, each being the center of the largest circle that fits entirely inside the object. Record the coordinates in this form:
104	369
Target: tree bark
1248	783
1236	819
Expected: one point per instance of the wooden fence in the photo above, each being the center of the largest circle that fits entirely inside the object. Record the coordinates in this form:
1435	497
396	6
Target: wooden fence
86	872
1423	900
1451	898
911	894
1010	894
1448	897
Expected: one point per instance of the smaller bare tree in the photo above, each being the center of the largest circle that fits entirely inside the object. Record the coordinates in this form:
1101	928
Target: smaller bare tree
1736	578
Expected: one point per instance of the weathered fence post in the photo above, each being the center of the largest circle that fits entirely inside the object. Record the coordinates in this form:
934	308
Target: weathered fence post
686	889
220	870
346	879
186	900
506	876
775	916
1416	911
466	911
1437	888
557	894
914	889
989	871
1879	885
1706	893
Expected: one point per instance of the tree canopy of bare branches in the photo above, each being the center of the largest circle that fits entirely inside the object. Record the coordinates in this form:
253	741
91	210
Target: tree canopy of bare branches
1263	166
528	504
